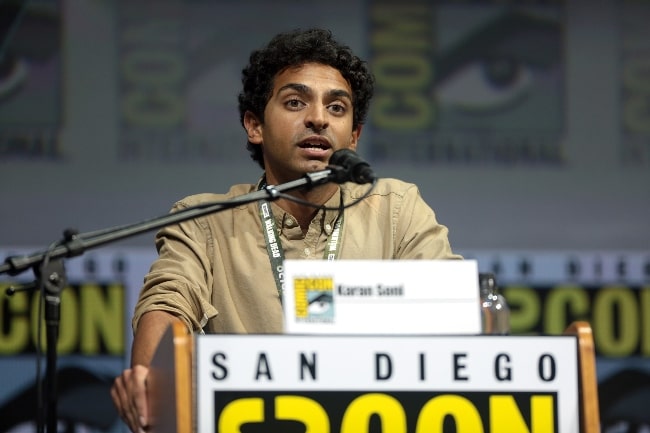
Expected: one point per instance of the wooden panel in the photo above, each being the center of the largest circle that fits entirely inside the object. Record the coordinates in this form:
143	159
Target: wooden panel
589	409
170	383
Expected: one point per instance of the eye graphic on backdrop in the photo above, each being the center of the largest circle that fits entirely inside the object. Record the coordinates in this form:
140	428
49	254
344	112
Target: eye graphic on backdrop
83	403
486	86
28	40
624	401
493	67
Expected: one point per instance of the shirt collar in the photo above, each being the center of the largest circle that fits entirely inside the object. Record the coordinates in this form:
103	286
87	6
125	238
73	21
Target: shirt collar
326	218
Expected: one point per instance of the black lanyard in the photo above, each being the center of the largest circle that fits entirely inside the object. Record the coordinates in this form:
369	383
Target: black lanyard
274	245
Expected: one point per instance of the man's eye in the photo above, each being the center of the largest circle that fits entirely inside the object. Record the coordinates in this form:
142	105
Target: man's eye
337	108
294	103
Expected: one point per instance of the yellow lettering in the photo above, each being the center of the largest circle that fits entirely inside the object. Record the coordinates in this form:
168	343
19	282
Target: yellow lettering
403	111
505	416
17	336
102	319
400	20
644	313
401	41
636	108
90	321
636	113
153	108
563	298
525	308
434	412
402	71
357	416
304	410
240	412
69	324
610	300
155	32
636	74
155	68
400	27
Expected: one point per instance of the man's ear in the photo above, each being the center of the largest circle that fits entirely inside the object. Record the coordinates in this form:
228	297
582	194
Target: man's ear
354	139
253	128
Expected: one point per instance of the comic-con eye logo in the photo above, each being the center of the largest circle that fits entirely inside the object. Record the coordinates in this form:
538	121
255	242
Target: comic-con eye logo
314	299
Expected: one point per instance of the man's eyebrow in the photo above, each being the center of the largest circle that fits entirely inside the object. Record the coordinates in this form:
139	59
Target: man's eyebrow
301	88
340	93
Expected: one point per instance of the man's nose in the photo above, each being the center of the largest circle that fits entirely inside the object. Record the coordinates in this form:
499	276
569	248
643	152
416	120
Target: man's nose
316	118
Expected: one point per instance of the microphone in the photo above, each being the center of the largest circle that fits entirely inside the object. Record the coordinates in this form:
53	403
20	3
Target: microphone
354	167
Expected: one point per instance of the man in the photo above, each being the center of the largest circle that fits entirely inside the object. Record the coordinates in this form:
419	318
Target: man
304	97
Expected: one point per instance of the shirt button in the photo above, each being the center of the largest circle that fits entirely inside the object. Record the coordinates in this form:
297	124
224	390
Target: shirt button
328	227
307	252
291	222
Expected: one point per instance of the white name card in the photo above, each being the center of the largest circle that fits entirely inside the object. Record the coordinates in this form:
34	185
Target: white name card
381	297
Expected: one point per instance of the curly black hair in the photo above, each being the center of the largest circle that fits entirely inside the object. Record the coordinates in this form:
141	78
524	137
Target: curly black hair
295	48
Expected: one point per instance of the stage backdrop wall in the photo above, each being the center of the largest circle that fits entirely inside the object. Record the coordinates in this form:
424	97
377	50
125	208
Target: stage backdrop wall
526	126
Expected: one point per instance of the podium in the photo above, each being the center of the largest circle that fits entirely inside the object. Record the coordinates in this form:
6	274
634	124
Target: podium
529	383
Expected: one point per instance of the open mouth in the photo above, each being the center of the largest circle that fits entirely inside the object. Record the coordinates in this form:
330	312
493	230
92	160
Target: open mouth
315	143
310	145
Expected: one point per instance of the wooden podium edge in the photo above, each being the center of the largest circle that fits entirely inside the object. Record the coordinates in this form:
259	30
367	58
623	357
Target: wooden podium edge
170	389
183	350
588	379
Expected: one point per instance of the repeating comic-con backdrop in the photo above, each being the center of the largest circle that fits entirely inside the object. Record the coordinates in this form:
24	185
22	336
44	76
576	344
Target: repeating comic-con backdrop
525	124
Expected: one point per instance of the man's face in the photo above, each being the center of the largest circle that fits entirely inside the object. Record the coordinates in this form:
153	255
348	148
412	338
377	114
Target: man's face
308	117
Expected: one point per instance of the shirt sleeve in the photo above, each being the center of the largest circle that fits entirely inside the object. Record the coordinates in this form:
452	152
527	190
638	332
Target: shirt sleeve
180	279
418	234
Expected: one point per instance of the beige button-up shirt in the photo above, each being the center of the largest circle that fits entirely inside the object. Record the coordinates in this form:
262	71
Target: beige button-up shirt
215	274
